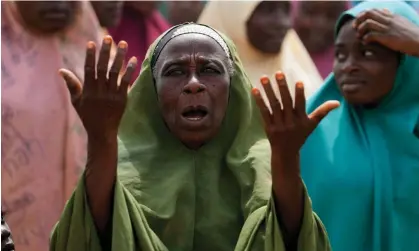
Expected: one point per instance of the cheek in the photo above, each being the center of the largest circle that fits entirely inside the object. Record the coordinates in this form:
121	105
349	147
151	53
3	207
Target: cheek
382	76
168	98
220	95
304	24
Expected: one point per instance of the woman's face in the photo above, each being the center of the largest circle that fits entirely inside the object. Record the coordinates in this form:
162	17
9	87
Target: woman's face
315	23
364	73
268	25
108	12
184	11
192	80
145	8
48	16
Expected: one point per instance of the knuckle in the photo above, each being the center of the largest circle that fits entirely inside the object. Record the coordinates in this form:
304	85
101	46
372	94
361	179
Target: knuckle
114	71
102	69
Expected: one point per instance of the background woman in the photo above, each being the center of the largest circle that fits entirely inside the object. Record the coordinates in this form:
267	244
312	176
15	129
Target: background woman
43	141
314	22
361	164
261	31
140	25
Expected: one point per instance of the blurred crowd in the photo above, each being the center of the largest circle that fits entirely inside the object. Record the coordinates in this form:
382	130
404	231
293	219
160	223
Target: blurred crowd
43	140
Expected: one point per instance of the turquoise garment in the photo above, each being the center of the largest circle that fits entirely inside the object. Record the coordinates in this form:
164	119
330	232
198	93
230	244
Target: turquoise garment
414	4
361	167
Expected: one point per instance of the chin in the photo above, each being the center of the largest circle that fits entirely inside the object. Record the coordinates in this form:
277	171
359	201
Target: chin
361	101
194	143
195	139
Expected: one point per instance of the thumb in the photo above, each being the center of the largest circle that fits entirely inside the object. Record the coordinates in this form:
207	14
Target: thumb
322	111
73	83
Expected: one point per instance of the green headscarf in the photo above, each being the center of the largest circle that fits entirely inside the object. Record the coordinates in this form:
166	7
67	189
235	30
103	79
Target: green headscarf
168	197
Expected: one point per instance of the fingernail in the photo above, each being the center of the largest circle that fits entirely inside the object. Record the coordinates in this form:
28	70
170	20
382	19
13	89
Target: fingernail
123	45
279	75
107	39
299	84
255	91
90	45
134	60
264	80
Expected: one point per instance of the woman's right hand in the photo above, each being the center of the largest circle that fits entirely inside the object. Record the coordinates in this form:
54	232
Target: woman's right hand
101	101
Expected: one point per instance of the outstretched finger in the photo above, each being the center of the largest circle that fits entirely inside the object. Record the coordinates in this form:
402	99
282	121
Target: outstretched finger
272	99
317	115
300	100
370	26
90	66
117	65
126	79
285	97
103	62
373	37
73	84
375	15
266	115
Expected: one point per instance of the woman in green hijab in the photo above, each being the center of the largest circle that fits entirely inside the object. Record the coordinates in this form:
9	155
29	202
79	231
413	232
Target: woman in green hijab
193	154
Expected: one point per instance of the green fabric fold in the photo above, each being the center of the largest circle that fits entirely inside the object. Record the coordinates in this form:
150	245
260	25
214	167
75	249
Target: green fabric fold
168	197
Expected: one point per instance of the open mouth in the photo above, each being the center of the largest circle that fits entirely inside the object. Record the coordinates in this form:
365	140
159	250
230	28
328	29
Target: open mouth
195	113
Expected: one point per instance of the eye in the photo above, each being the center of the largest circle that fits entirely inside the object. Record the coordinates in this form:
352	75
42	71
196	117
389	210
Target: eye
368	53
340	55
211	70
174	72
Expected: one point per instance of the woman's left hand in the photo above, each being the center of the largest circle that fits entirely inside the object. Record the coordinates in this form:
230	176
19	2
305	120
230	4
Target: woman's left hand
288	127
392	31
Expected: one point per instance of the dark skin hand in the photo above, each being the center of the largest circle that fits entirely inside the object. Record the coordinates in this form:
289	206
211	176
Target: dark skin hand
287	129
390	30
100	104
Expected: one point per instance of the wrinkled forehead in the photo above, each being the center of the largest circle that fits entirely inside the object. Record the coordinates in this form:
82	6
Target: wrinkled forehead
192	44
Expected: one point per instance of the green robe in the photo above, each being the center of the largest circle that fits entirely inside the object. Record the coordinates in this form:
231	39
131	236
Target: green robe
167	197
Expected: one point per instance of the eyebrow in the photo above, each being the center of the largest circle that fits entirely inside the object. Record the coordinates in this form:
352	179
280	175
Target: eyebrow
186	60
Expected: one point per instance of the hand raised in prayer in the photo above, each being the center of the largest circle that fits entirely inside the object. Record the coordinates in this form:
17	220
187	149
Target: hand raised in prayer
101	101
392	31
288	127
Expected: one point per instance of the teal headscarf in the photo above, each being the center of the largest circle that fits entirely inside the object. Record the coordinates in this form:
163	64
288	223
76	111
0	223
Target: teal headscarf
361	167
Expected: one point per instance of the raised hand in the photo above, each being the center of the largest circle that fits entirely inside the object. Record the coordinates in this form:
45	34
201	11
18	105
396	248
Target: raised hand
288	126
392	31
101	102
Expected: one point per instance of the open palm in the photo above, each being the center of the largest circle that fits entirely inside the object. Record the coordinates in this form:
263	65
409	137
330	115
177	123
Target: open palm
101	102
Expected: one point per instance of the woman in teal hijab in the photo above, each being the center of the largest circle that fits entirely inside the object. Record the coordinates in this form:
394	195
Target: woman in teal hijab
194	159
361	164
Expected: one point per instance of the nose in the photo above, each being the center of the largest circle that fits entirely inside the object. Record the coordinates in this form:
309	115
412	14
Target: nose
194	86
350	64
